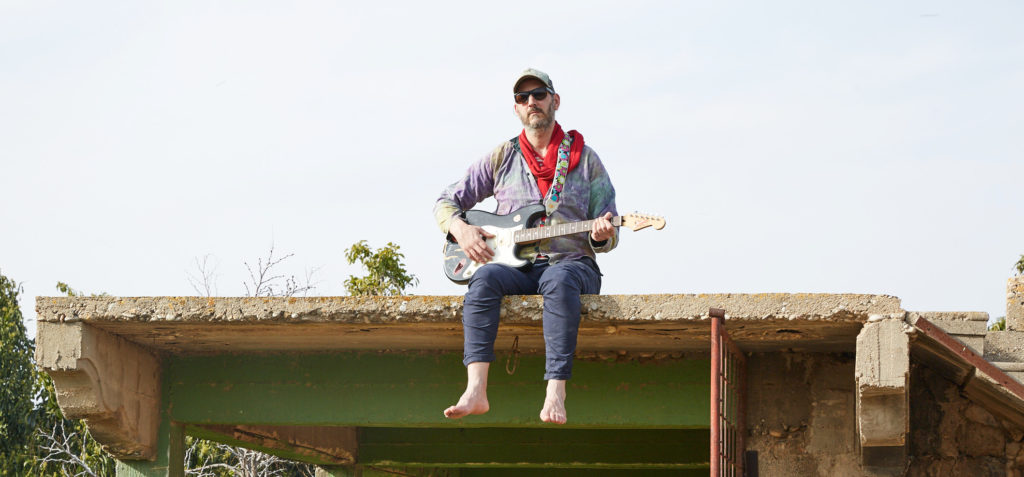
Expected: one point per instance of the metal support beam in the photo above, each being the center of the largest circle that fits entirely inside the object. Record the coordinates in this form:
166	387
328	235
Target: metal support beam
411	390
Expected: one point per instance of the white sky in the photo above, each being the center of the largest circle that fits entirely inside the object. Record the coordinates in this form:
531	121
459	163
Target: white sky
868	147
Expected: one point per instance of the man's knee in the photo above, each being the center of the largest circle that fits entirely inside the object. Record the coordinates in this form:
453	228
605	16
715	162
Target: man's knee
569	277
486	282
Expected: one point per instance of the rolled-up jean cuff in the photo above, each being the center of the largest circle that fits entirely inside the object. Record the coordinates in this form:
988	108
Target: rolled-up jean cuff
560	376
478	358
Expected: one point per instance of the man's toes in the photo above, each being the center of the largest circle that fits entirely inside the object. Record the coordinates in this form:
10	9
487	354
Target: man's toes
453	413
552	416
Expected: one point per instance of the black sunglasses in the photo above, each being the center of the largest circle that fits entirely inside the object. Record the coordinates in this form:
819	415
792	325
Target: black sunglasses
539	94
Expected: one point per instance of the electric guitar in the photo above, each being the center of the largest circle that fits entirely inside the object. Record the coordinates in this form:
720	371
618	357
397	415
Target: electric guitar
512	230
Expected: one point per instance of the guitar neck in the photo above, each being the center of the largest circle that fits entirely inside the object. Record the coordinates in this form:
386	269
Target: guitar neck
539	233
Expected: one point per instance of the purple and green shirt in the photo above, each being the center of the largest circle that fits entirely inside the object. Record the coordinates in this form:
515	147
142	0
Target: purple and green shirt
504	174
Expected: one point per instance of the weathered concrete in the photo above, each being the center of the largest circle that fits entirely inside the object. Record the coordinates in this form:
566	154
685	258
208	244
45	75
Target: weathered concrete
882	371
1004	346
969	327
184	325
1005	349
110	382
883	359
417	309
802	415
1015	304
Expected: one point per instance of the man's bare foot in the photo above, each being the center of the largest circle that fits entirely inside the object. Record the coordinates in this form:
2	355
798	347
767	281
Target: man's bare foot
554	403
470	403
474	400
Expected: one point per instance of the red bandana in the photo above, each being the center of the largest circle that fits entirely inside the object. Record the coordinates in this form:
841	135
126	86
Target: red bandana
545	172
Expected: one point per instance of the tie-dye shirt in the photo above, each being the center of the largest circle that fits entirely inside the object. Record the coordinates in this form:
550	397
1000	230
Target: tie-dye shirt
504	174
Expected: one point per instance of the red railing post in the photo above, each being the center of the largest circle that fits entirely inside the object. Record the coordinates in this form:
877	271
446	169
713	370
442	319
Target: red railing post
716	315
728	401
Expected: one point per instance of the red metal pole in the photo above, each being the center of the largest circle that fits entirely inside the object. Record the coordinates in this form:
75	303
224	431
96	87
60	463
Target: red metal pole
716	390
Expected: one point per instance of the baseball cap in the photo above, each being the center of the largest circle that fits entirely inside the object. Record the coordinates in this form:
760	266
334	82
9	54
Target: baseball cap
532	73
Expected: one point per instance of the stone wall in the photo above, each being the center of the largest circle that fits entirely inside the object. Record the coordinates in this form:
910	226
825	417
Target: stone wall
802	421
950	435
801	414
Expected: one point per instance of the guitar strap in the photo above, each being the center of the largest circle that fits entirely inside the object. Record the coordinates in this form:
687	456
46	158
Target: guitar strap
558	183
554	194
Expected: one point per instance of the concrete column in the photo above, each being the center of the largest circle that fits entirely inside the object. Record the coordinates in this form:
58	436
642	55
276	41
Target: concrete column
883	411
1005	349
1015	304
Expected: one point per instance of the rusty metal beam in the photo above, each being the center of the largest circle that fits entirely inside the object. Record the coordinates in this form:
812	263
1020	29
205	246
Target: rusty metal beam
959	349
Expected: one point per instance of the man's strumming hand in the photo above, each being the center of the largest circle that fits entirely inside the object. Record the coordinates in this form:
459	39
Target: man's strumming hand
471	239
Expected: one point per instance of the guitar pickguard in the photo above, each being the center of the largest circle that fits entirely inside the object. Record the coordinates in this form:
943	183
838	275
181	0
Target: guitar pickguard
504	248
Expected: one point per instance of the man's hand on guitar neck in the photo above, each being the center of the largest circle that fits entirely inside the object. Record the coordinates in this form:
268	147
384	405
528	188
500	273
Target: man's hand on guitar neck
471	239
602	228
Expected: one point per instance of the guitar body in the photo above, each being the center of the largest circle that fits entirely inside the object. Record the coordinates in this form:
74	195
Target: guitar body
459	268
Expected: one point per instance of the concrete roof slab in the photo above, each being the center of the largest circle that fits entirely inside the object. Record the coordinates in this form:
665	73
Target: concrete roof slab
186	325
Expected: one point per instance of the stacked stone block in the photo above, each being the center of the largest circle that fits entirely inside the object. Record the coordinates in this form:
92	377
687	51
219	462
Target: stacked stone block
1005	349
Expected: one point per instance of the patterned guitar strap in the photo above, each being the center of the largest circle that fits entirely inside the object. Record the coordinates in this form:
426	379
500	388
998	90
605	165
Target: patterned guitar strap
558	183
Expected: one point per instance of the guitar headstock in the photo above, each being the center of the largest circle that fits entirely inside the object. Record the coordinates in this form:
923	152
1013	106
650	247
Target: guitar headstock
637	221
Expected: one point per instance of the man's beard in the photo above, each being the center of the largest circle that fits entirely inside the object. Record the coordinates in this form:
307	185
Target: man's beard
539	122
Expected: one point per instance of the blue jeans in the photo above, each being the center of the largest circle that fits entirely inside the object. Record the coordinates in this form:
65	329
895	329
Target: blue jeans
561	284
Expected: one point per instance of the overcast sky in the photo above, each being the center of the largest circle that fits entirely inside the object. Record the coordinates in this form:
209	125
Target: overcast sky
867	147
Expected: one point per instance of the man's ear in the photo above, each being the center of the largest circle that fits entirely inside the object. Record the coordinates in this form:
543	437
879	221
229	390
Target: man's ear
558	101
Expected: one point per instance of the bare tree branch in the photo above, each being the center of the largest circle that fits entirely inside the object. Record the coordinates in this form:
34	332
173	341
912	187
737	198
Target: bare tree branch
253	463
204	279
262	278
265	283
242	462
59	450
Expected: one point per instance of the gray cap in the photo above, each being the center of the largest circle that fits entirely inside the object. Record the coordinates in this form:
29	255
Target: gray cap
532	73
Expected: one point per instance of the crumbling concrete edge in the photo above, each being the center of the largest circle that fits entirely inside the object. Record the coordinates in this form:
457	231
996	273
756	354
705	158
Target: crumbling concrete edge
110	382
416	308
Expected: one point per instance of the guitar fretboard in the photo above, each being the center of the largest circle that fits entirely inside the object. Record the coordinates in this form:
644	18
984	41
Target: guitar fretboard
539	233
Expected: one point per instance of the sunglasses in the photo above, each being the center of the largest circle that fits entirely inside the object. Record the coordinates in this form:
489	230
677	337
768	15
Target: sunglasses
539	94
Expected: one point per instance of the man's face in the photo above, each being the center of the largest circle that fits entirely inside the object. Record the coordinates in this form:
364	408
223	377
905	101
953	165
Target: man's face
536	114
